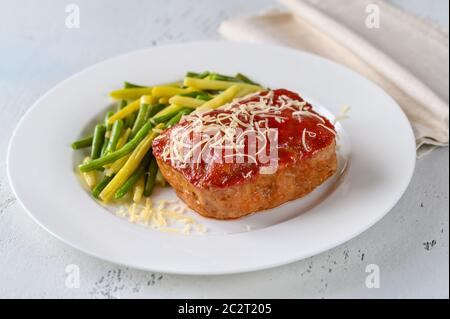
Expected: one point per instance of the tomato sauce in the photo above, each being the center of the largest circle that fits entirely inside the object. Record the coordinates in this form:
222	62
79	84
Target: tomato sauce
294	144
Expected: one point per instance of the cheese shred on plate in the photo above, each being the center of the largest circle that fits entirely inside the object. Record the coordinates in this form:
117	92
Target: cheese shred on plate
164	215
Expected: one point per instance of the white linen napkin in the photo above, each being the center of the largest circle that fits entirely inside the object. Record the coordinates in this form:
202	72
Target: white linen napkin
406	56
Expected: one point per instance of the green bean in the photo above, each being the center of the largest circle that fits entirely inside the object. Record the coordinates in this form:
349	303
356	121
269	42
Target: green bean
149	111
192	74
129	121
197	75
198	95
140	119
140	171
105	145
167	113
221	77
115	136
190	94
112	157
239	77
204	74
174	120
107	116
151	176
129	85
97	141
245	79
154	109
204	96
122	104
108	129
82	143
101	185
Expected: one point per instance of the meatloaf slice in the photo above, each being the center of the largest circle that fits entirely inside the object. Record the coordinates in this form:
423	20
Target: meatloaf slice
221	186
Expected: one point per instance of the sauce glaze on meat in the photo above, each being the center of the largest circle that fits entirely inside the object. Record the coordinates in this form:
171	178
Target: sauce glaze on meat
301	133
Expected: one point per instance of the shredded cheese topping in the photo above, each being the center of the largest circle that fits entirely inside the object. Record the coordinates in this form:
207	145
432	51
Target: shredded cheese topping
164	215
343	114
224	133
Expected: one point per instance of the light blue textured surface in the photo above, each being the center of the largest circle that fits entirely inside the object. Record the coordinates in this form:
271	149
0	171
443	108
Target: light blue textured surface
37	51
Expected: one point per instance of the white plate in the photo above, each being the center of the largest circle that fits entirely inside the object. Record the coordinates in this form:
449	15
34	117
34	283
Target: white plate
377	137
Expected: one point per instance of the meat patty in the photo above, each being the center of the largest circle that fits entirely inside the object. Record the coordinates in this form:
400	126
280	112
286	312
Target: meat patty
220	172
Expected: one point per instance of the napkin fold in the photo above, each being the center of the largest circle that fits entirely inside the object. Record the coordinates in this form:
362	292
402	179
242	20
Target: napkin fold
406	56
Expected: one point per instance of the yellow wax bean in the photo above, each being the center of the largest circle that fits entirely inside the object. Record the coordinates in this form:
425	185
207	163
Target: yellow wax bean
203	84
114	167
223	98
186	101
148	99
163	100
131	108
130	166
167	91
89	177
127	110
138	189
123	139
117	165
244	92
130	94
173	84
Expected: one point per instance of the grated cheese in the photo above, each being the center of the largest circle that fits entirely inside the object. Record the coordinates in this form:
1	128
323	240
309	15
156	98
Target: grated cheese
204	133
305	146
165	215
342	114
327	128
